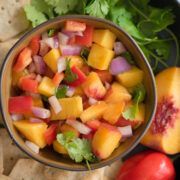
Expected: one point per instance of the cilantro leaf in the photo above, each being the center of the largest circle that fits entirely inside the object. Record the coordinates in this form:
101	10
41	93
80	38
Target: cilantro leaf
33	15
61	92
69	75
139	93
62	6
51	32
84	54
78	149
97	8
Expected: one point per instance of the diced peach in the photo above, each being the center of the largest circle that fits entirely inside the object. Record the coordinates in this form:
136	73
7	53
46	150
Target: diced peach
34	132
113	112
105	140
131	78
71	108
93	86
59	148
93	112
117	93
93	124
66	128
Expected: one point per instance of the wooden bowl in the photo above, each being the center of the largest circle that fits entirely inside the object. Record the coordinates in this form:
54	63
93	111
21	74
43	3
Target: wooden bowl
47	156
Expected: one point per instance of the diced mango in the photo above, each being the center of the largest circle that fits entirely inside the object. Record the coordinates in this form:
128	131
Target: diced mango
17	75
33	132
71	108
117	93
113	112
104	37
93	87
51	59
66	128
59	148
46	87
78	91
100	57
105	140
93	112
75	61
131	78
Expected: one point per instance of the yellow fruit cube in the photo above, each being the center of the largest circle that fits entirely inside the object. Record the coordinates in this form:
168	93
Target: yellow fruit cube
113	112
51	59
59	148
71	108
75	61
93	87
33	132
17	75
117	93
46	87
104	37
131	78
93	112
100	57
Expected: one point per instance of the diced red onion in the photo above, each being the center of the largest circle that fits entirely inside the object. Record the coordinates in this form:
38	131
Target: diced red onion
56	42
39	64
126	131
39	78
92	101
61	64
53	101
119	65
50	42
16	117
44	48
70	91
70	49
63	38
107	85
32	68
41	112
44	35
119	48
82	128
32	146
72	34
35	120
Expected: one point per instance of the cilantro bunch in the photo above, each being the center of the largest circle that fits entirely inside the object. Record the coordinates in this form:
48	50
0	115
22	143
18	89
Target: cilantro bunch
146	24
78	149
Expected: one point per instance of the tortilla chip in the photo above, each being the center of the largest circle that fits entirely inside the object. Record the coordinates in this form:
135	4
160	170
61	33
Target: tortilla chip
3	177
13	20
1	157
11	153
27	169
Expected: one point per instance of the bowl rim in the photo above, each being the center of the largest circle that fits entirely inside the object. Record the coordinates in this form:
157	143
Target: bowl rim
83	17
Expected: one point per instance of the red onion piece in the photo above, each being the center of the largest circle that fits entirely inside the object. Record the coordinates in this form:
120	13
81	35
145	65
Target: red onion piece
72	34
53	101
70	91
39	64
56	42
16	117
61	64
126	131
35	120
32	146
49	42
82	128
41	112
92	101
44	48
32	68
119	48
63	38
70	50
38	78
119	65
44	35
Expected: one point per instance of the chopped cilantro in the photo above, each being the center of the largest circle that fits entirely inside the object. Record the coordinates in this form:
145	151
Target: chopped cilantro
61	92
51	32
69	75
84	54
78	149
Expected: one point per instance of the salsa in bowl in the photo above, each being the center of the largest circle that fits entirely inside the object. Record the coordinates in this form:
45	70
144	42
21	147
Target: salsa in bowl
80	93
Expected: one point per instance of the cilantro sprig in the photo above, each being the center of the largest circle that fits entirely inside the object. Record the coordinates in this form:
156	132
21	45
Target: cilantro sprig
138	93
61	91
78	149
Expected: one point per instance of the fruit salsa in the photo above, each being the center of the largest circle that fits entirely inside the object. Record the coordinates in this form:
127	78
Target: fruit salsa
77	90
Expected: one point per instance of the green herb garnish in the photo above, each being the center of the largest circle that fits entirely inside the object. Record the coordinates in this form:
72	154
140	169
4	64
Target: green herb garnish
78	149
61	92
84	54
138	93
51	32
69	75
